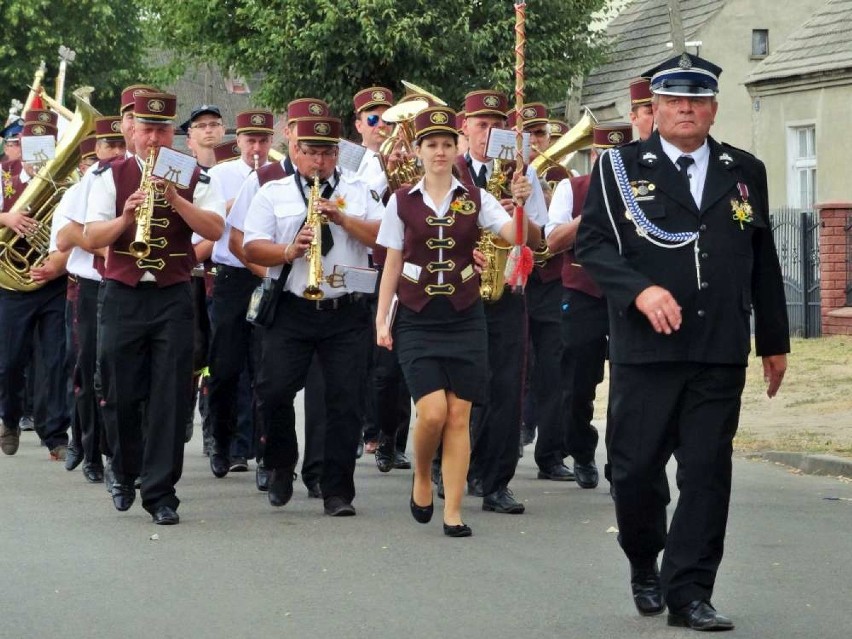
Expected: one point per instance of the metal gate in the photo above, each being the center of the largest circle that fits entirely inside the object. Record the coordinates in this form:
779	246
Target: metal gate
797	241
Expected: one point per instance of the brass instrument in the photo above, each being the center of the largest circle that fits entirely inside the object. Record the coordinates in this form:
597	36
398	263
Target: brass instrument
19	255
313	255
495	249
256	159
562	151
140	247
402	139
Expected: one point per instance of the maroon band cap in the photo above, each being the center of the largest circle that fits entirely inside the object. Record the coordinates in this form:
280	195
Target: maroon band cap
534	114
318	131
640	91
432	120
87	147
478	103
226	151
41	115
558	128
372	97
128	95
32	129
306	108
255	121
460	116
108	127
155	108
606	136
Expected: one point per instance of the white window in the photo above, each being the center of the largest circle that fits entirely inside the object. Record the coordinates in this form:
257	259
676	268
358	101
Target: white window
759	43
802	177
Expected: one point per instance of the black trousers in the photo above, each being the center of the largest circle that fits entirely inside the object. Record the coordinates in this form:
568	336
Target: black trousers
145	360
230	350
496	426
30	322
585	326
87	411
543	302
298	331
315	423
691	411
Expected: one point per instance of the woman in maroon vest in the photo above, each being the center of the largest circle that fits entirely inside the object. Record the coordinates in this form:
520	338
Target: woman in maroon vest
430	232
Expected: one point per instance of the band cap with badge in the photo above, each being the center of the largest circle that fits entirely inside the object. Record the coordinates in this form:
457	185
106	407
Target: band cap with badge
258	121
226	151
611	134
128	95
87	147
640	91
306	108
558	128
319	131
534	114
108	128
434	120
155	108
42	116
372	97
485	103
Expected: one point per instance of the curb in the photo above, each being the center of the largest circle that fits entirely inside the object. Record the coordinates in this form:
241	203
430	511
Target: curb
812	464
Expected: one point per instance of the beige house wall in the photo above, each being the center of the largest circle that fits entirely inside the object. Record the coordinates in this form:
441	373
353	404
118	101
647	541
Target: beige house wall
828	109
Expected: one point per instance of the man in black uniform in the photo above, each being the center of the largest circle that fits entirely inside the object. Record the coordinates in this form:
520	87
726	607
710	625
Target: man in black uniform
682	267
145	318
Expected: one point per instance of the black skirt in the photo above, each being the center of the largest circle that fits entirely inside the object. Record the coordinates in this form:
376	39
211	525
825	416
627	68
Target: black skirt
440	348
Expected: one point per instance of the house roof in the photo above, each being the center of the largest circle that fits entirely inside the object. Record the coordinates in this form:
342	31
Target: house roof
821	44
639	35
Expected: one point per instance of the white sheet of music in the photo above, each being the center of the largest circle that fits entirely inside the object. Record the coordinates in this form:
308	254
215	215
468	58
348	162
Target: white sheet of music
350	155
174	166
356	279
502	145
38	148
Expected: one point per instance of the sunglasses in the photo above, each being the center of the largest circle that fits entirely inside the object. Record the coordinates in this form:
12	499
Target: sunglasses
374	119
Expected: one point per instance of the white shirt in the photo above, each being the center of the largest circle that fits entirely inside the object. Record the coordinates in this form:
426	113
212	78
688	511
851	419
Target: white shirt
535	207
697	172
277	211
491	216
230	177
561	209
237	217
101	203
371	172
80	262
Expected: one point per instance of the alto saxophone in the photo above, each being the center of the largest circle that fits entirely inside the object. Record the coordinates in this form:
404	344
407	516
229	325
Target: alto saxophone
314	221
492	280
140	247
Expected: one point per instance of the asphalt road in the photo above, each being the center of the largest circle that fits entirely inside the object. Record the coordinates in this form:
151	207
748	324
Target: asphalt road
71	566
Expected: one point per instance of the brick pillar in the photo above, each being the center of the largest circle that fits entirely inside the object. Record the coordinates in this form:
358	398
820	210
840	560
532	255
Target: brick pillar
833	254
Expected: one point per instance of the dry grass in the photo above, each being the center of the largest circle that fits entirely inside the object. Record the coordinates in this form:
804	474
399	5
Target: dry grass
811	413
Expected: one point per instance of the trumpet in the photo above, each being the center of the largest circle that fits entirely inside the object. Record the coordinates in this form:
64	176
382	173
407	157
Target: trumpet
313	255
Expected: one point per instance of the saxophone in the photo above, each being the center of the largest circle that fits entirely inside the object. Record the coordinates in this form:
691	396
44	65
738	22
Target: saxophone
495	249
314	221
140	247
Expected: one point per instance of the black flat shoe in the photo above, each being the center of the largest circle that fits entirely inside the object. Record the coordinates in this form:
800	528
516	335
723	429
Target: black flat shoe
699	615
646	589
280	486
384	455
261	478
462	530
165	516
423	514
123	496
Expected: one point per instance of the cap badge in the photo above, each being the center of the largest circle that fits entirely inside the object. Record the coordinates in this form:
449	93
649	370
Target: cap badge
529	112
439	117
315	109
491	101
322	128
38	129
137	92
257	119
115	126
44	117
615	137
649	157
156	106
379	95
554	128
684	62
727	159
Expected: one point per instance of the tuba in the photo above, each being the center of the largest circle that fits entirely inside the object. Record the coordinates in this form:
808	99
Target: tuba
562	151
315	220
492	281
18	255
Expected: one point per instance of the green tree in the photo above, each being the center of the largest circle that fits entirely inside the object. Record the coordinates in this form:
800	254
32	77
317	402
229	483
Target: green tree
332	48
106	35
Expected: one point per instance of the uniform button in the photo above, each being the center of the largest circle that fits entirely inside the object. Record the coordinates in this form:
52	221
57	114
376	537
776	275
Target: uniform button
703	227
701	312
704	285
704	256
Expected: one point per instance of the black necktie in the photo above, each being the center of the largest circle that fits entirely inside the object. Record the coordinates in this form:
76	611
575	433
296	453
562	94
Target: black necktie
684	162
481	178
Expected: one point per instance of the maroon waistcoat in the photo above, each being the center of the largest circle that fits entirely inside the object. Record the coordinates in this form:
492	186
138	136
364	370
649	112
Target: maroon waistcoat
575	276
270	172
421	244
172	256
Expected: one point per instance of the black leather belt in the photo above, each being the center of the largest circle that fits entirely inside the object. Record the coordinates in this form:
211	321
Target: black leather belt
332	304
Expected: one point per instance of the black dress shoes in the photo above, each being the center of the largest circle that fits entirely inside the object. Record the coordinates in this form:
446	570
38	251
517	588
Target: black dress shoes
699	615
165	516
502	501
261	478
557	472
586	475
384	455
422	514
123	496
338	507
280	486
646	588
93	474
401	460
73	457
474	487
462	530
359	450
314	490
219	463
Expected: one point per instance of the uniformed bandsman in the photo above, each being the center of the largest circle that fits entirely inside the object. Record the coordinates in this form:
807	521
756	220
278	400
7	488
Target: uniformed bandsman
146	315
334	326
676	232
641	111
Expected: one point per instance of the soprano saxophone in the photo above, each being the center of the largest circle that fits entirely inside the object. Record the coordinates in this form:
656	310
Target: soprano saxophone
140	247
315	220
496	250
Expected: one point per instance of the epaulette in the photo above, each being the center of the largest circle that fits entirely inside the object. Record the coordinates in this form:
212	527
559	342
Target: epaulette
737	149
203	177
102	169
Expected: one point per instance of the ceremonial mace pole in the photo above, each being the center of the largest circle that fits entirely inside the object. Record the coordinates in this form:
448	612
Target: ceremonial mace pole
520	262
